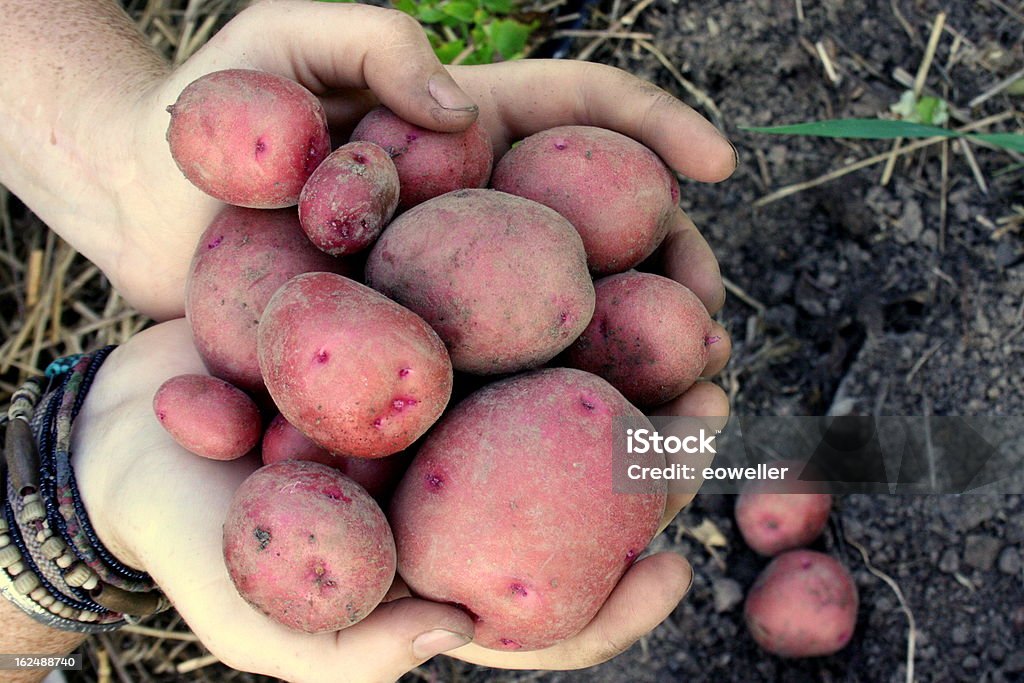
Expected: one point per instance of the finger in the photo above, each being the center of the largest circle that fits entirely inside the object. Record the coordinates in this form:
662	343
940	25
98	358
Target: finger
686	257
708	406
327	46
533	95
719	349
643	598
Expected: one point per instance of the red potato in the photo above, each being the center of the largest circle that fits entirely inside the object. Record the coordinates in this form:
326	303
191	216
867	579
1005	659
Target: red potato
248	138
502	279
804	604
308	547
349	198
774	516
208	416
240	261
617	193
379	476
429	163
649	337
508	509
352	370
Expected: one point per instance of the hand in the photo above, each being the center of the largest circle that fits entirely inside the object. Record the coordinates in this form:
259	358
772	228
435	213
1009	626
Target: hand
353	56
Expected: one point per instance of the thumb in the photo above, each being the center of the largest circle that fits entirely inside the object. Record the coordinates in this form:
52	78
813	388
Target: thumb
400	635
328	47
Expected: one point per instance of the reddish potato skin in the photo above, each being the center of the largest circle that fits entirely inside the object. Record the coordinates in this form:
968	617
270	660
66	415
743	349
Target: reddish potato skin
248	138
649	337
804	604
502	279
240	261
617	193
352	370
429	163
308	547
349	198
208	416
282	441
515	485
775	516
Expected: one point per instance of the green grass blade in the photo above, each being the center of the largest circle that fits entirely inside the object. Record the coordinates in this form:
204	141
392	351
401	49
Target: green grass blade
882	129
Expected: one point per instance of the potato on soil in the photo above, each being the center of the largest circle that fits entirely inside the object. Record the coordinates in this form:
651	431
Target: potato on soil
248	138
616	192
509	512
349	198
804	604
208	416
379	476
352	370
240	261
649	337
429	163
502	279
308	547
779	515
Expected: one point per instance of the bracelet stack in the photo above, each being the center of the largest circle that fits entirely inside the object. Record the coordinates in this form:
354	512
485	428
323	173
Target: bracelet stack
52	564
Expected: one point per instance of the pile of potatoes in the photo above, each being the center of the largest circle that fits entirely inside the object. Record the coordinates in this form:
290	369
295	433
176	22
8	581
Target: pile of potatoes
804	603
345	325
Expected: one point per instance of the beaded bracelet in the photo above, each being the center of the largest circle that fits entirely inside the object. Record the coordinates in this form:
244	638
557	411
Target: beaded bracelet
52	564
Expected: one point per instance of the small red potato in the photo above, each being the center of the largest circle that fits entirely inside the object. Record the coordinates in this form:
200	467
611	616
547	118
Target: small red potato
774	516
240	261
649	337
429	163
308	547
804	604
617	193
379	476
352	370
248	138
509	511
349	198
502	279
208	416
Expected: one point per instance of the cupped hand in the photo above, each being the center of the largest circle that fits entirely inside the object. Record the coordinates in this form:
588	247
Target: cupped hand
354	56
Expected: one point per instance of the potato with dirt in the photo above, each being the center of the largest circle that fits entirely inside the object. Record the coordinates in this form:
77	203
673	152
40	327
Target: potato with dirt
248	138
429	163
804	604
349	198
241	260
502	279
617	193
308	547
778	515
208	416
352	370
649	337
509	510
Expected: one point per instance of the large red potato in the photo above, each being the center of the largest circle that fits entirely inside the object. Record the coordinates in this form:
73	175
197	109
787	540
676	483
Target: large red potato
352	370
502	279
308	547
774	516
649	337
804	604
429	163
248	138
508	509
208	416
616	192
240	261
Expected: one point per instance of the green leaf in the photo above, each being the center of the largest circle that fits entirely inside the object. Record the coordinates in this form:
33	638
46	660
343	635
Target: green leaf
498	6
881	129
449	51
407	6
460	9
429	15
509	37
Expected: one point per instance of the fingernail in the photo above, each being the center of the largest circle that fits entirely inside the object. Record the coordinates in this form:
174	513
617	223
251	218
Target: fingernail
431	643
447	94
735	153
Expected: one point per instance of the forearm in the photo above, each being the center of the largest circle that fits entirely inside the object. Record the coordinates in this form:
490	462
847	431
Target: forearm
70	70
22	635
